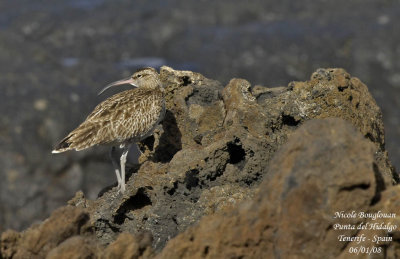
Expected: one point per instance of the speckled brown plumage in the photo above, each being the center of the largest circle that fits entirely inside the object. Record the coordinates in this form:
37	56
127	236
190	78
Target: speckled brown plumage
122	119
128	116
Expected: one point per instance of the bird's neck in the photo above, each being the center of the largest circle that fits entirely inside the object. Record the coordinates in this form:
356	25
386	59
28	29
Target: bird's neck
152	84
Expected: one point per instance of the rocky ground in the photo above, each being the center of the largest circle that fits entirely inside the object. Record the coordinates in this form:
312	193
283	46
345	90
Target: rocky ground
240	171
55	55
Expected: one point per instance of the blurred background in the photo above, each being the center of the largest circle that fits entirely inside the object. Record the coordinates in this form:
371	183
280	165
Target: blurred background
55	55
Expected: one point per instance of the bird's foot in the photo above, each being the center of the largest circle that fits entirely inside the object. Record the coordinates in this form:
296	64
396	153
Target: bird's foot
121	189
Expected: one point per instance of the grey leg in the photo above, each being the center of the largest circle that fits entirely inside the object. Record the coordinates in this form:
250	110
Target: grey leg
140	151
115	163
123	162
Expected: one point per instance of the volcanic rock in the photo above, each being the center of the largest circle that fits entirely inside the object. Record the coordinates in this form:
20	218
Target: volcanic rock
213	150
325	167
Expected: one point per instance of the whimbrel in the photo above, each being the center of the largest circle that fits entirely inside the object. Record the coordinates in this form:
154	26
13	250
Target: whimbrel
121	120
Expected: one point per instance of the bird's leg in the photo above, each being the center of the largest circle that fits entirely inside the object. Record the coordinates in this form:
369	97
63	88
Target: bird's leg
140	151
123	162
115	163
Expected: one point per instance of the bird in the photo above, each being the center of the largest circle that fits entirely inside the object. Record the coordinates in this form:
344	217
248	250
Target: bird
123	119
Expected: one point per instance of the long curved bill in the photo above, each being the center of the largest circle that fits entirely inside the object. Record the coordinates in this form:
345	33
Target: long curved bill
119	82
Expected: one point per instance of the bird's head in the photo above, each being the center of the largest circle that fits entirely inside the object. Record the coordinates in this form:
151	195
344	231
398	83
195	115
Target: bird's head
145	77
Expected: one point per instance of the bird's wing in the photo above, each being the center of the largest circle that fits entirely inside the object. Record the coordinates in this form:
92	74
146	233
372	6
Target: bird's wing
127	115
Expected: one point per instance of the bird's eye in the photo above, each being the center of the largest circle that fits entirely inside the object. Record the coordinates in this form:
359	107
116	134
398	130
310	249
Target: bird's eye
139	76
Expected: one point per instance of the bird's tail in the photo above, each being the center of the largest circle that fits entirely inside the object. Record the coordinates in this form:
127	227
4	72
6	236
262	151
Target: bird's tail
78	139
62	146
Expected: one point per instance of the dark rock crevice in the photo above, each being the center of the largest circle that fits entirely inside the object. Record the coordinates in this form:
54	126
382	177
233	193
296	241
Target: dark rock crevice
289	120
362	186
140	200
236	152
185	80
192	179
380	184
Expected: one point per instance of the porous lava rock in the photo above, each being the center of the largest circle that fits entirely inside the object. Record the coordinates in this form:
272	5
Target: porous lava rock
325	167
213	150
